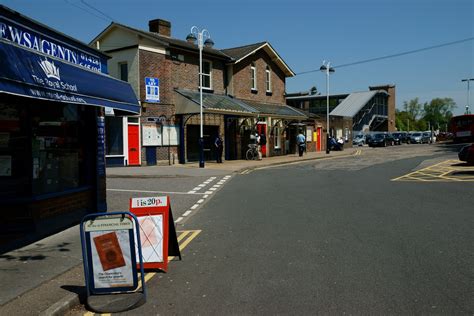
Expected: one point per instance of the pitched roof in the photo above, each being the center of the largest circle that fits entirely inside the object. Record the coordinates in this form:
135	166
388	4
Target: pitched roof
164	40
239	52
351	105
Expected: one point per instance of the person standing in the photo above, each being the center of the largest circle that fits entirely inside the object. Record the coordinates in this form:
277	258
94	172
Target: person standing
301	141
219	148
259	146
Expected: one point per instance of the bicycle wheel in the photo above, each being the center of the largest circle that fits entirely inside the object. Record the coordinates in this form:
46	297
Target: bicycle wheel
249	155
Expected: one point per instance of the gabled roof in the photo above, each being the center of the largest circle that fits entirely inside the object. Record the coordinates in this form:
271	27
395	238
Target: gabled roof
162	40
240	53
351	105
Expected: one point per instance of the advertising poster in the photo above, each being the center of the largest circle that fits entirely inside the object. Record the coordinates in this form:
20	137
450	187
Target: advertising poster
152	87
151	237
111	259
5	166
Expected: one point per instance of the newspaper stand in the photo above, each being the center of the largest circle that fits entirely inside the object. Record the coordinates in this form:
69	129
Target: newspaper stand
157	231
110	264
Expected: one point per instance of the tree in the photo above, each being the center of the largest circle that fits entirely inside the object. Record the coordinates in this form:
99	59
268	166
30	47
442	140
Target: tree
439	111
413	108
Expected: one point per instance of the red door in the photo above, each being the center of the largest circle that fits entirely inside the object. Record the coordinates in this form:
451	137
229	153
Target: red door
133	146
318	139
262	129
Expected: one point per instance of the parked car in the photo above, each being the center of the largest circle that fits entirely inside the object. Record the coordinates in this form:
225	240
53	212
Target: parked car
426	138
467	154
359	140
399	138
416	138
379	140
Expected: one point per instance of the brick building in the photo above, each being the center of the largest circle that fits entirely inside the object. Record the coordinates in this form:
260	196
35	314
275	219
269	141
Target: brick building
243	92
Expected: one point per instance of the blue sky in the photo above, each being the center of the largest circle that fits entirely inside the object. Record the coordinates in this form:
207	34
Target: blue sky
306	32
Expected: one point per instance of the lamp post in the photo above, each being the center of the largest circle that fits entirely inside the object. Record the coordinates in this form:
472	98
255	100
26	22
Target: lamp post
326	67
468	94
198	34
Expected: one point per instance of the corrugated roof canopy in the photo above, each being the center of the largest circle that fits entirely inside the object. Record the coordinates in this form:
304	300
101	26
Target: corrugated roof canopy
351	105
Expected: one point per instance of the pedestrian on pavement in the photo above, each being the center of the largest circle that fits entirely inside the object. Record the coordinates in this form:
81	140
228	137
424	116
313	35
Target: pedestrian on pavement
219	148
301	141
259	145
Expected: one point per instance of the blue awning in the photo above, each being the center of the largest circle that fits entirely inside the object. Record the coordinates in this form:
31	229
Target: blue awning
27	73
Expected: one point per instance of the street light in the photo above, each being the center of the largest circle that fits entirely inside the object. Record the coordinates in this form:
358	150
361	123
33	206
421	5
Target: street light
468	94
326	67
198	34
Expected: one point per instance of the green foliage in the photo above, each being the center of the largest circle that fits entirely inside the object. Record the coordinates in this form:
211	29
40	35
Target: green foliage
418	117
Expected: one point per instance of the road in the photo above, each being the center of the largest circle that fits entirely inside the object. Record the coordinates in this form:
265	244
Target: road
338	236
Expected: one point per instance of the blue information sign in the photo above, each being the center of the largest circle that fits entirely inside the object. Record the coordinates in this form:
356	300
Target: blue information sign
152	87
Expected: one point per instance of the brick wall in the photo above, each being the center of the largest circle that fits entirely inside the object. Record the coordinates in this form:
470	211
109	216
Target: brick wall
242	80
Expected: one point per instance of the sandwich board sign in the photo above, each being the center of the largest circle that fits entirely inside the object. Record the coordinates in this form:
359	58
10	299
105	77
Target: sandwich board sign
157	230
110	256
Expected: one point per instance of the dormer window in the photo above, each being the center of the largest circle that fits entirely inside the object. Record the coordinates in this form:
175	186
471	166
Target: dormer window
268	79
253	76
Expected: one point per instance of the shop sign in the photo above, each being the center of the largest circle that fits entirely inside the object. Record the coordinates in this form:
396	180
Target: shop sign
152	86
26	37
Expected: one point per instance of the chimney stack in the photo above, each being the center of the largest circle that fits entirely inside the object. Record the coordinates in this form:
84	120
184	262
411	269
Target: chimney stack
160	26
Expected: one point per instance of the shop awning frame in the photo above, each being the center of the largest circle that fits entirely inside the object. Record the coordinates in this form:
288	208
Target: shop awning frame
27	73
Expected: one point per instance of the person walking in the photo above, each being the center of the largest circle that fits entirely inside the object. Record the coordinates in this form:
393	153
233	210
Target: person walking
219	148
301	141
259	146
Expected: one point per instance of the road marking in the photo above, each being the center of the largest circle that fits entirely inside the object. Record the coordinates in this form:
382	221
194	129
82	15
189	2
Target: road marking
179	219
445	171
160	192
200	201
187	213
208	192
195	206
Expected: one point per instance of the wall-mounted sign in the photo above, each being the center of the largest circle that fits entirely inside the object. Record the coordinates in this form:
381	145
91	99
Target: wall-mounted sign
151	134
152	89
170	135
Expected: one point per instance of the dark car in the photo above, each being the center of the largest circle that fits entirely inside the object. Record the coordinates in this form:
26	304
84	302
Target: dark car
379	140
398	138
404	137
416	138
467	154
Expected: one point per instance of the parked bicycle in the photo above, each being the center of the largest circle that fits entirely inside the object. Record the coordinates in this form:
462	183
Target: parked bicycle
252	152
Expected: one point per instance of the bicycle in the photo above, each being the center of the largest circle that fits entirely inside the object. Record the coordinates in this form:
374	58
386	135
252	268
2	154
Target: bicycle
252	152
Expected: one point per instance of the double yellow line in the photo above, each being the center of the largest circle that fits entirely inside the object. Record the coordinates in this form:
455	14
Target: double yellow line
187	236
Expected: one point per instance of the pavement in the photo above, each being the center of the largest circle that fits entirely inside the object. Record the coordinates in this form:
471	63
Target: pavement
46	277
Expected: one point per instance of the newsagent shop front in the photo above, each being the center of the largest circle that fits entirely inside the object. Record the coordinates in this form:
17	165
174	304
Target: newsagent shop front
53	91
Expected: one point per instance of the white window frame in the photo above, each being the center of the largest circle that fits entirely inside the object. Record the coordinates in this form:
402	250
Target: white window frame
277	137
253	76
268	79
206	75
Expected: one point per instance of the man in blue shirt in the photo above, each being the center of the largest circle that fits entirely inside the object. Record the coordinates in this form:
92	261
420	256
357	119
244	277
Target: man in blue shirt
301	141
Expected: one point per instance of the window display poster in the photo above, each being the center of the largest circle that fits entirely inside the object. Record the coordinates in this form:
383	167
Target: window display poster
4	140
171	135
151	135
5	166
111	259
309	134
